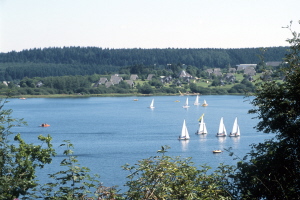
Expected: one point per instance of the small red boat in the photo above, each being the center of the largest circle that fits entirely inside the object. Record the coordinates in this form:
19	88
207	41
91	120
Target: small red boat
44	125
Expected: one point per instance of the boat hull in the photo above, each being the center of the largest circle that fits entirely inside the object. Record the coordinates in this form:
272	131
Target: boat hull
200	133
233	135
183	138
44	125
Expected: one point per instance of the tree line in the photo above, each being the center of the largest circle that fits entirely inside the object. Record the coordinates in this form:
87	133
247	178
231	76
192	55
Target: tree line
90	60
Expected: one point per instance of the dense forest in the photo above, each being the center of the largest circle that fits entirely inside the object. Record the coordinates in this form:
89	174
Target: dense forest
92	60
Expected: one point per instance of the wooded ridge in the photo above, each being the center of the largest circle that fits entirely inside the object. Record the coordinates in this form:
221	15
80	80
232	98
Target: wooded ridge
90	60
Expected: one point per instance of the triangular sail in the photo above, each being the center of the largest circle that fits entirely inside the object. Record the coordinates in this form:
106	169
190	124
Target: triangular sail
235	129
187	136
202	127
152	104
204	103
221	126
184	132
196	101
200	118
186	105
235	126
222	130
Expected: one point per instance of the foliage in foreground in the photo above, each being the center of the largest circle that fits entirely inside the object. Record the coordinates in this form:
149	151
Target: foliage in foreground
273	171
18	162
68	183
165	177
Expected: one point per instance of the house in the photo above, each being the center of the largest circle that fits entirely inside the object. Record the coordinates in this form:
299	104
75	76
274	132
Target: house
209	71
130	82
133	77
217	72
177	83
101	81
231	70
116	79
108	84
184	74
230	77
166	79
150	76
249	71
39	84
242	67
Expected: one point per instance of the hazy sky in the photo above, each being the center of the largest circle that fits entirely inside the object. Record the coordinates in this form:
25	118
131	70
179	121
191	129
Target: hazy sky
26	24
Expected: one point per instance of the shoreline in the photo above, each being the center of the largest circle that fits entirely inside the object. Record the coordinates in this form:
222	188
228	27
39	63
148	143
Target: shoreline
105	95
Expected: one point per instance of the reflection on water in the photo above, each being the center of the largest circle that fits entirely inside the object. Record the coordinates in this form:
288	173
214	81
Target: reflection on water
235	141
184	145
222	140
202	138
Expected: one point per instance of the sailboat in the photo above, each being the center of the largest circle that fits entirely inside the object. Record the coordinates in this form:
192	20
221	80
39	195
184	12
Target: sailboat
184	132
202	127
186	105
222	130
196	103
235	129
204	103
152	104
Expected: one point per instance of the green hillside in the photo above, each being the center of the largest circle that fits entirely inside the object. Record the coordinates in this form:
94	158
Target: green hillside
90	60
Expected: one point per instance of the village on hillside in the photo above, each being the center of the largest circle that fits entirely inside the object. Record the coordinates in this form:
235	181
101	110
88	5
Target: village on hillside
249	70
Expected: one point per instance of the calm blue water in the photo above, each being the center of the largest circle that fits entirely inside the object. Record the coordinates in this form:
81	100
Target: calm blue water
108	132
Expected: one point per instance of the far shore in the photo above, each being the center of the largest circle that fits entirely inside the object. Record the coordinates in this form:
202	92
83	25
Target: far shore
103	95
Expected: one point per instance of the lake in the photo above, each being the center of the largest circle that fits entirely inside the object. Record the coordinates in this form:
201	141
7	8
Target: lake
108	132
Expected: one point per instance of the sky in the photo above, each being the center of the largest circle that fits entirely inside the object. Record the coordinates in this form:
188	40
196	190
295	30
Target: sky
28	24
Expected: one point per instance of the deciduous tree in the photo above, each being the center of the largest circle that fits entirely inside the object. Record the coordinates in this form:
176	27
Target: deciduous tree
273	171
18	162
165	177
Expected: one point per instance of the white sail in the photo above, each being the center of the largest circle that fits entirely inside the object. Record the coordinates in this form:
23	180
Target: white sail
222	130
202	127
184	132
235	129
186	105
152	104
196	103
204	103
